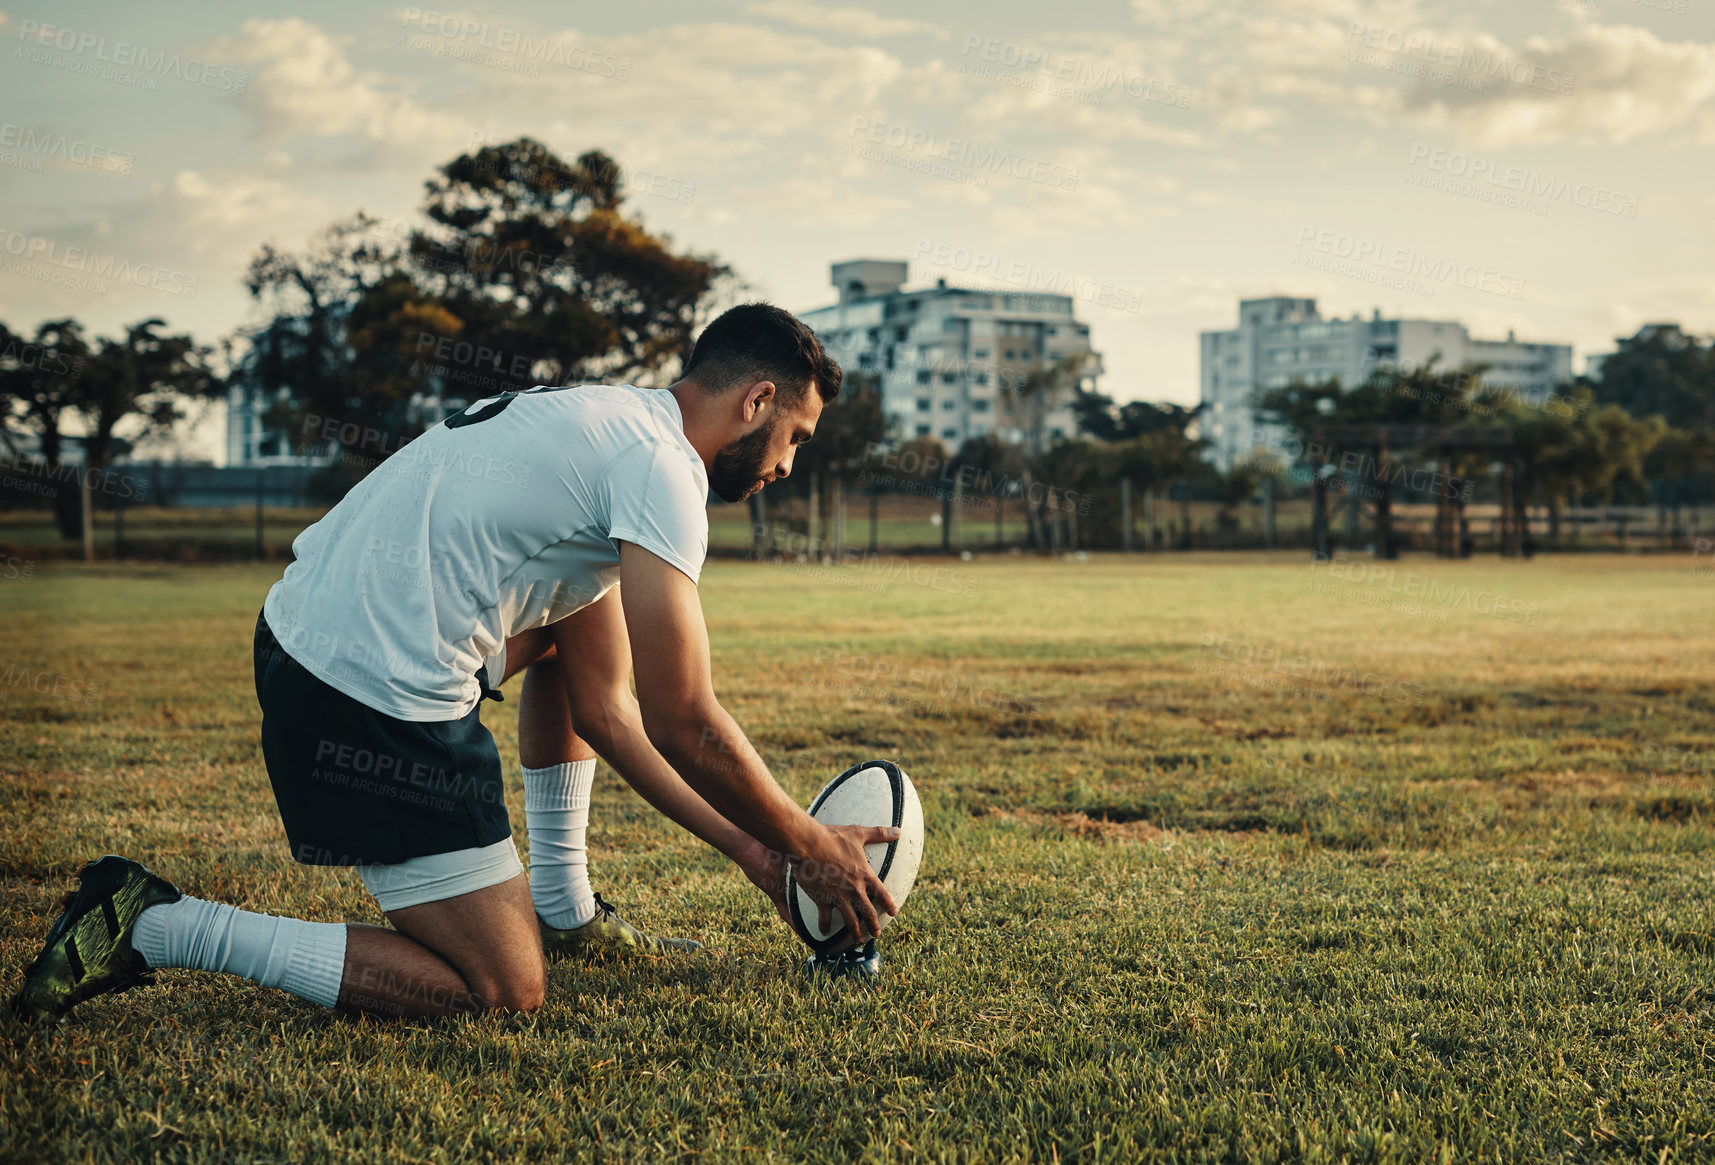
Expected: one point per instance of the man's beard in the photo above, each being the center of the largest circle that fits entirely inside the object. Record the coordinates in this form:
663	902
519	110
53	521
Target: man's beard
740	467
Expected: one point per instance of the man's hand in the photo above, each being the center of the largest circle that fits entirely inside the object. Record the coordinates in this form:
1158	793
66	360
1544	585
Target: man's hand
766	870
837	876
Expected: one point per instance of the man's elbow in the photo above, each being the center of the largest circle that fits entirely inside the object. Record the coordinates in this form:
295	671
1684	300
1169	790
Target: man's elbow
684	733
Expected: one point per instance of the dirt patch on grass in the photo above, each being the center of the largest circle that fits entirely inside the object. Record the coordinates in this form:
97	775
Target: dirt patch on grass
1104	828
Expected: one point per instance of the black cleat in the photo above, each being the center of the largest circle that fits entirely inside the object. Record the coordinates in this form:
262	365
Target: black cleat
857	963
88	950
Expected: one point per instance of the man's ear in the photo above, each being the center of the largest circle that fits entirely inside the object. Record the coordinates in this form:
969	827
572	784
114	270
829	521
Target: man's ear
756	397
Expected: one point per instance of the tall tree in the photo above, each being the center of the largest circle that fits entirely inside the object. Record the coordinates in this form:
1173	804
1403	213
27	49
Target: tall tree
526	271
538	260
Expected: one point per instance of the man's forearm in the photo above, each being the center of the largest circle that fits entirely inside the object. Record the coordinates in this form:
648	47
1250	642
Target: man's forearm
617	735
718	762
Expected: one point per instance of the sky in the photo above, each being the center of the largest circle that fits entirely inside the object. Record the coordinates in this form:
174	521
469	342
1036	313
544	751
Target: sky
1537	166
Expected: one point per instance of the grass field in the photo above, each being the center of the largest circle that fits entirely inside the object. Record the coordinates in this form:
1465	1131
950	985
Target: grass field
1228	860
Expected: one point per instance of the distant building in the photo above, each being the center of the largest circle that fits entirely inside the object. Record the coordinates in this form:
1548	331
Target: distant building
946	356
1280	340
1671	334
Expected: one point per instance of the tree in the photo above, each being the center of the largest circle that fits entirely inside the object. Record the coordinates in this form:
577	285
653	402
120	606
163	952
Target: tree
526	271
1098	417
1026	400
319	356
60	389
537	260
1664	371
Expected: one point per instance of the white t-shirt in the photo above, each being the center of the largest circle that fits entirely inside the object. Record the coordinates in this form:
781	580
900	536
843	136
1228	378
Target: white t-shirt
505	517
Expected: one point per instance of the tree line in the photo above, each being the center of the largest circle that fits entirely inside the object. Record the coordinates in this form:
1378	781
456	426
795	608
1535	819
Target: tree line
526	269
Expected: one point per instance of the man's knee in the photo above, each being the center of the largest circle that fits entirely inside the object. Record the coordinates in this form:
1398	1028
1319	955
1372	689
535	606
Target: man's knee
518	991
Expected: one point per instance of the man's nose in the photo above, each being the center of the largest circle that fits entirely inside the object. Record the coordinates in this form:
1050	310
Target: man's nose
784	469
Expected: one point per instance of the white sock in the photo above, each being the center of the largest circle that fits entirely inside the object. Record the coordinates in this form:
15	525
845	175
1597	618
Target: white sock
557	811
305	958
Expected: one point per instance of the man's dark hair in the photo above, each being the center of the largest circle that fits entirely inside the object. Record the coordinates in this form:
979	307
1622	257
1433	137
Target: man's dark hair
758	341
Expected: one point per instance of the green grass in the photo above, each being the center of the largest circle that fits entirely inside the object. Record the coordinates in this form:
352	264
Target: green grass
1176	905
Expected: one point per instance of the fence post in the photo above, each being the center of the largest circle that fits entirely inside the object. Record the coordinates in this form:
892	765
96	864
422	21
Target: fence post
837	519
957	512
1319	549
261	488
1125	514
119	525
810	522
1268	513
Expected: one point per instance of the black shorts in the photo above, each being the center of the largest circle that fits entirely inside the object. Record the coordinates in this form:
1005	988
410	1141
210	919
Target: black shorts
356	786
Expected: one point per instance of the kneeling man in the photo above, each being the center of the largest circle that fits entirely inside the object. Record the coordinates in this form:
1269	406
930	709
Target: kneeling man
556	531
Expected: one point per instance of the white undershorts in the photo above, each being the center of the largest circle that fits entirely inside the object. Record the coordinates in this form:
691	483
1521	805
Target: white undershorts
438	877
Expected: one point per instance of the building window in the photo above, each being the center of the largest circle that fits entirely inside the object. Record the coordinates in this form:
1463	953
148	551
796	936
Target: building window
867	360
948	406
949	378
922	404
950	434
1056	433
979	406
1011	355
980	354
924	376
980	377
922	430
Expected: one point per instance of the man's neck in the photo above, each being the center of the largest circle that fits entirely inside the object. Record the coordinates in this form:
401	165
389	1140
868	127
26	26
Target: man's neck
698	412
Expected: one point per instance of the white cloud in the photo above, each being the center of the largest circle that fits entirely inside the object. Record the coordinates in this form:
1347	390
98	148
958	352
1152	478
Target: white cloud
841	21
304	86
1625	83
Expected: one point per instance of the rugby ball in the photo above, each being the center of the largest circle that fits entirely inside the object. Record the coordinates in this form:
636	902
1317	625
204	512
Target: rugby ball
876	792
